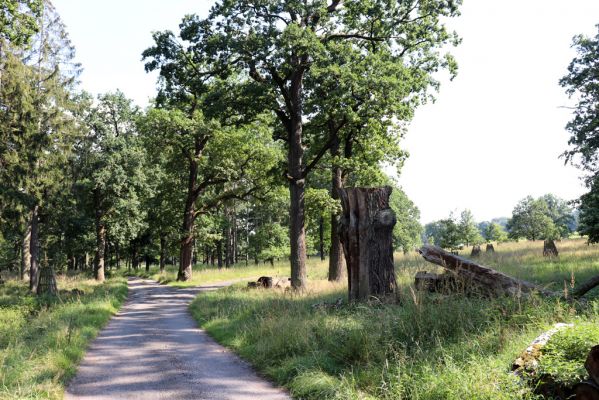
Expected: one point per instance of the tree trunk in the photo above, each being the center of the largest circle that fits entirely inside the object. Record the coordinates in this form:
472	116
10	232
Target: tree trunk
26	251
100	247
117	253
219	253
147	259
321	238
185	259
296	168
336	258
492	281
135	255
366	233
34	250
162	253
549	248
227	239
592	364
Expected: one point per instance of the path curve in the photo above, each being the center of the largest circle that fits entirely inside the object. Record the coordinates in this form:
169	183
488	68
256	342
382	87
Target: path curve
153	349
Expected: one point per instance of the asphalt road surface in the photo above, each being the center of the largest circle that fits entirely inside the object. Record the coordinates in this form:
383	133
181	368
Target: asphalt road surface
153	349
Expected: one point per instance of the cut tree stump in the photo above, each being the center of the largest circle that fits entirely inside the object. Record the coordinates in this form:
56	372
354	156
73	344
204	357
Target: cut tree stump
490	248
549	249
366	227
475	251
47	281
493	282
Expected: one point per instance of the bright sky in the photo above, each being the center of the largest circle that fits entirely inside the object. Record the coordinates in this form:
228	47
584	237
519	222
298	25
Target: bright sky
492	137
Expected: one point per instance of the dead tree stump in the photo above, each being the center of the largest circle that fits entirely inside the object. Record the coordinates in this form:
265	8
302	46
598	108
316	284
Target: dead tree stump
490	248
366	227
47	280
475	251
549	248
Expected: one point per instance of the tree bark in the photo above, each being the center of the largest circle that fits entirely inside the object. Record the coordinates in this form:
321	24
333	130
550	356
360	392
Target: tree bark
162	253
592	364
34	249
219	253
185	259
492	281
100	247
26	251
366	233
336	258
321	238
295	160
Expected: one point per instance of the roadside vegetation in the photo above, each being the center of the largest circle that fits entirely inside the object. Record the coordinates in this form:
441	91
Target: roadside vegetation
421	346
42	339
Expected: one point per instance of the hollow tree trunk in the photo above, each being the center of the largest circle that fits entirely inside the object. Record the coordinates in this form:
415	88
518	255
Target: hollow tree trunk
162	253
366	233
26	251
34	250
336	258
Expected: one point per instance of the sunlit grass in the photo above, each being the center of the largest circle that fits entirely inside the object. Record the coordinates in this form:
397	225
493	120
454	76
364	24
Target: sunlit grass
43	340
427	346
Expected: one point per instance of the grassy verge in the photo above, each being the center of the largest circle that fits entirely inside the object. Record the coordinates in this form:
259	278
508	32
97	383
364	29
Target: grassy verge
426	347
206	274
43	340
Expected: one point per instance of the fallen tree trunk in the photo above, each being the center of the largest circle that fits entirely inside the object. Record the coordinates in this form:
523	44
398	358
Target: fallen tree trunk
492	281
586	286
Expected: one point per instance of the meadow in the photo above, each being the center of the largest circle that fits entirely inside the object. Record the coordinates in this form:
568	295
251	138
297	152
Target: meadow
416	346
42	339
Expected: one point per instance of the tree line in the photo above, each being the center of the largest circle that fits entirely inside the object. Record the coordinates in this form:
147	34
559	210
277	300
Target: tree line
263	112
546	217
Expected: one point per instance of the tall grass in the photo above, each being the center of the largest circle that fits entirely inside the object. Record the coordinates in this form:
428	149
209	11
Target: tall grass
42	340
426	346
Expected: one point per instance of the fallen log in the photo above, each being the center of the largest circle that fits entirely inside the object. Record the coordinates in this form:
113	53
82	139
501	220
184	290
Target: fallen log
431	282
492	281
586	286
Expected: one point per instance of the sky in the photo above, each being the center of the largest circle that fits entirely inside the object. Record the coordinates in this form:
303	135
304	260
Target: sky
493	135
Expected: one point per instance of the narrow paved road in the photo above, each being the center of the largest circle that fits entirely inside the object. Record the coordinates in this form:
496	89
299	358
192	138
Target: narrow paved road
152	349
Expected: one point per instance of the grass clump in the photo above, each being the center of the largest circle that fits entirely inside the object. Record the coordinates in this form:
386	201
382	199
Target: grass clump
42	340
426	346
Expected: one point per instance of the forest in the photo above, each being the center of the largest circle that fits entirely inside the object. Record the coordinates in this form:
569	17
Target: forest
272	153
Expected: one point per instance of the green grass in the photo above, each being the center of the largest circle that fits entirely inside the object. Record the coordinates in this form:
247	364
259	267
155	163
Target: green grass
43	340
426	347
206	274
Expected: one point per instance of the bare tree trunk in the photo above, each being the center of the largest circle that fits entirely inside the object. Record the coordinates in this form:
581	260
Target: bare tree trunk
26	251
162	253
336	258
34	250
219	253
185	259
296	168
321	238
366	233
100	248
